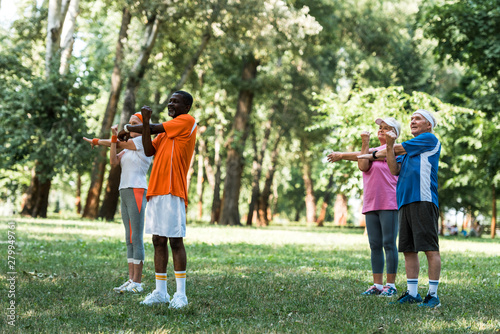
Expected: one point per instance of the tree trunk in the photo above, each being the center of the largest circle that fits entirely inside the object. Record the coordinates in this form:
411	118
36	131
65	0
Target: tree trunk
78	197
139	69
326	201
108	206
28	199
134	80
216	202
340	208
199	183
493	212
190	171
55	21
266	191
96	179
209	171
42	199
441	215
36	198
257	170
230	214
67	39
100	161
310	200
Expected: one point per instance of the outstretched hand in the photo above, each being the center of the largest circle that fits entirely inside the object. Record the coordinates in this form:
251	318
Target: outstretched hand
334	156
88	140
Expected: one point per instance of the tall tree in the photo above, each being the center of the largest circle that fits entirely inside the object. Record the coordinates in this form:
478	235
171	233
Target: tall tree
134	79
468	32
36	200
230	214
100	161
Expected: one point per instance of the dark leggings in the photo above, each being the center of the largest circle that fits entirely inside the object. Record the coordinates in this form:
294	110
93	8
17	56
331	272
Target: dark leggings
382	228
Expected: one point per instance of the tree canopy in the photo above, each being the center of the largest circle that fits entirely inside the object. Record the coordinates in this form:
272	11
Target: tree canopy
277	85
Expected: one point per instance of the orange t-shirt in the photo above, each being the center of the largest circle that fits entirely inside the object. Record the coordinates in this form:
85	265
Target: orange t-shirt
174	150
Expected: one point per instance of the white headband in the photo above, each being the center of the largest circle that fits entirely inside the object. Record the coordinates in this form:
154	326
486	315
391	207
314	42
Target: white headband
427	115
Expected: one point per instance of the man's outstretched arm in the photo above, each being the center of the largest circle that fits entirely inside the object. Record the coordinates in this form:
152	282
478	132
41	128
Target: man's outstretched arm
149	149
382	154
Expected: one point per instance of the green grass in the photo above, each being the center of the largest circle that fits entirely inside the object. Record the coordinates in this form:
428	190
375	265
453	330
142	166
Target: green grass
240	280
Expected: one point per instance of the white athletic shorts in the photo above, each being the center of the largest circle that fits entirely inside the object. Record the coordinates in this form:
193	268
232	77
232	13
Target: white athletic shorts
166	216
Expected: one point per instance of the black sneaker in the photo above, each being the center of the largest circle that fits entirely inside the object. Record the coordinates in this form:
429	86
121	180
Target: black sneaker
406	298
431	301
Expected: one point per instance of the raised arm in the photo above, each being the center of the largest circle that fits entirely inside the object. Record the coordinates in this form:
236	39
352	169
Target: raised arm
394	166
363	164
350	156
337	156
107	142
154	129
382	154
114	159
149	149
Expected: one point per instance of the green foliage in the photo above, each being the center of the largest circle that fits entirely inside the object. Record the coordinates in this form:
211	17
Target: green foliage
41	119
329	49
468	163
468	32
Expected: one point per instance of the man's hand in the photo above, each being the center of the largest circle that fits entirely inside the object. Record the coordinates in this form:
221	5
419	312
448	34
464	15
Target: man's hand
365	136
390	138
334	156
146	114
123	135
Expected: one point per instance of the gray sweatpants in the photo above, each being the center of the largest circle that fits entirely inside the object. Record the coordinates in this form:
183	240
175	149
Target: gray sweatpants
382	228
133	207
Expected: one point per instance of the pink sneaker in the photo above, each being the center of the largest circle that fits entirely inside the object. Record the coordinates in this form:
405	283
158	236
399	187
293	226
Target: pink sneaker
388	291
372	291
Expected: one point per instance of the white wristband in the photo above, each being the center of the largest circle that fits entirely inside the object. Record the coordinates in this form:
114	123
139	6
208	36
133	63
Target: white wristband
125	127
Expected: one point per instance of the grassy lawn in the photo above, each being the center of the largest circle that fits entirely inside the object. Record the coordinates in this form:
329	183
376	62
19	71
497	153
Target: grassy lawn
240	280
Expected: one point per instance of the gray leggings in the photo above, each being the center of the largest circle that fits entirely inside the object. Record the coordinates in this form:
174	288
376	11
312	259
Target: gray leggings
382	228
133	207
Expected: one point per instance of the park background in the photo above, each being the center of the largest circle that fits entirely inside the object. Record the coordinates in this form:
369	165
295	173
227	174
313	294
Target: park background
277	86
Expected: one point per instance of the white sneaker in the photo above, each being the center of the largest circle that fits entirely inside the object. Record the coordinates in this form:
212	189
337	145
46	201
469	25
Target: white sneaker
123	287
155	297
178	301
134	288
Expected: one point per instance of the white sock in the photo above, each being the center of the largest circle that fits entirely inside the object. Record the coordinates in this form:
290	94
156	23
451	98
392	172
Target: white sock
412	286
180	279
433	287
378	286
392	285
161	283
